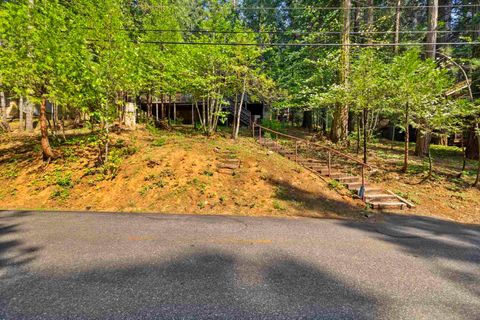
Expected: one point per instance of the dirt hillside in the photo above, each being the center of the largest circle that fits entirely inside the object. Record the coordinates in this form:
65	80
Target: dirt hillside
156	171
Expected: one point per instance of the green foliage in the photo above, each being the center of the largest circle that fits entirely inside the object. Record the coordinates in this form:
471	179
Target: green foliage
60	194
159	142
64	179
278	206
273	124
208	173
334	184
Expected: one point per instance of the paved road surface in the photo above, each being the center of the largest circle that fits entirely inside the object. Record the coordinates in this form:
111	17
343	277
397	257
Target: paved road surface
134	266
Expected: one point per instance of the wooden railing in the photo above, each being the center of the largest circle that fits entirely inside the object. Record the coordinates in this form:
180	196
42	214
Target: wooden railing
316	146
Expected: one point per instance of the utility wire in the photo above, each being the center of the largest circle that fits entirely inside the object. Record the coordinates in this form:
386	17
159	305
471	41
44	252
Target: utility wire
356	8
290	32
290	44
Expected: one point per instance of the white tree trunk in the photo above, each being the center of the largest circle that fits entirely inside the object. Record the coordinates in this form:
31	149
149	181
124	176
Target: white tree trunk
130	117
3	103
21	124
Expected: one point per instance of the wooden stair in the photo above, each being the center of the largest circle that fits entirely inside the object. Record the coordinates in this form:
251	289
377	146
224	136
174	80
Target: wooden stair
374	197
227	163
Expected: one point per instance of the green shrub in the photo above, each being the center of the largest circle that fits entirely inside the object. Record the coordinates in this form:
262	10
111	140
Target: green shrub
60	194
278	206
63	180
273	124
334	184
208	173
159	142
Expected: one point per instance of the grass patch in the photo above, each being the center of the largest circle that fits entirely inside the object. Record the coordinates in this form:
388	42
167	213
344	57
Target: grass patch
334	184
60	194
208	173
159	142
278	206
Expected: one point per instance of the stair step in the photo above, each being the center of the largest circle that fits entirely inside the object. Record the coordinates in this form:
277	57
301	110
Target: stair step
349	179
324	172
317	167
387	205
338	174
354	186
307	160
369	191
228	165
380	197
229	160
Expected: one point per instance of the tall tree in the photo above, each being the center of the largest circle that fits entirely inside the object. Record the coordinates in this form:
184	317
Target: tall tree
424	138
340	119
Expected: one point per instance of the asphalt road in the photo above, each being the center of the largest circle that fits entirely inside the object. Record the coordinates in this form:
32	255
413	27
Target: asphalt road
139	266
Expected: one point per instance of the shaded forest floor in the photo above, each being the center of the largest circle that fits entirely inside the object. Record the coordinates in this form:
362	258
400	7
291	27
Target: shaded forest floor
444	195
159	171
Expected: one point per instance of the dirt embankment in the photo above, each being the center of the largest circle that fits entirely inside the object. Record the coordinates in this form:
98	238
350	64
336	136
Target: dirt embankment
163	172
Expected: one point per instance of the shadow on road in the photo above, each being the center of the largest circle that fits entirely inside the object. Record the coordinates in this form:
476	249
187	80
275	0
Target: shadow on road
447	244
202	282
196	285
14	253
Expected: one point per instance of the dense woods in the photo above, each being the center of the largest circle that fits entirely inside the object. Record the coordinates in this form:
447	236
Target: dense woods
342	68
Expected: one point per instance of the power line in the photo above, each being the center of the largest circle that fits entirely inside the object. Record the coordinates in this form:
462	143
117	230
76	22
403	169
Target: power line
357	8
290	44
291	32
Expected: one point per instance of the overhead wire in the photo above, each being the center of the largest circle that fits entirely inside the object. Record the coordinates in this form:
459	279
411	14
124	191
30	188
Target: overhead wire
292	44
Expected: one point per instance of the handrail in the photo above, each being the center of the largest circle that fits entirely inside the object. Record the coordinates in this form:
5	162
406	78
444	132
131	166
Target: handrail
359	162
279	133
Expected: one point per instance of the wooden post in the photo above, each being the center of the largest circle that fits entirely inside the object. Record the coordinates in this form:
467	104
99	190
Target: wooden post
329	163
362	188
260	134
296	151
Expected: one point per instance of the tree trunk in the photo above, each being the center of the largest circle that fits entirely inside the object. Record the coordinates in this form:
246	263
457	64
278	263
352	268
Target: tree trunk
21	124
431	46
29	116
477	180
422	143
430	165
340	119
370	22
359	122
307	122
149	106
46	149
445	15
162	108
407	138
239	109
365	114
397	25
443	140
464	162
3	103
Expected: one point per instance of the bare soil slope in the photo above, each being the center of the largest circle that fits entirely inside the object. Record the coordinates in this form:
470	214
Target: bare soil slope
152	171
